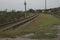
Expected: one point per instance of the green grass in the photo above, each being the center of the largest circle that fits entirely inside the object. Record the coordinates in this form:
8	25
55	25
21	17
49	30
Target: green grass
42	24
42	35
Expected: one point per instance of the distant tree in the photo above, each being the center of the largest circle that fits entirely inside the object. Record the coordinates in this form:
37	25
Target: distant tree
19	11
31	10
39	11
13	11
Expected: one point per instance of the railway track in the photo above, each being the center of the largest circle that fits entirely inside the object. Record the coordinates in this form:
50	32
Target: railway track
9	23
16	25
13	22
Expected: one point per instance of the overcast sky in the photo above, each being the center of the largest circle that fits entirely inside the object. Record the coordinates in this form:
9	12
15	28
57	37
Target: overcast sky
34	4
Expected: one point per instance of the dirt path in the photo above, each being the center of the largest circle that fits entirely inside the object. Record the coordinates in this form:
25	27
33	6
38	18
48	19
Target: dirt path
18	38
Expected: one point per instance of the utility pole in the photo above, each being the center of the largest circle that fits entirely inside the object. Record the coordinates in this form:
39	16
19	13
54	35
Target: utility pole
45	4
58	3
25	7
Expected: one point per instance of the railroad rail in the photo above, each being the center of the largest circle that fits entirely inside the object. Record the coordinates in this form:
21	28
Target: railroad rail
7	24
19	23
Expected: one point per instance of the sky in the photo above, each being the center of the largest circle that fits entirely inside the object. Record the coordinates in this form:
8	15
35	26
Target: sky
31	4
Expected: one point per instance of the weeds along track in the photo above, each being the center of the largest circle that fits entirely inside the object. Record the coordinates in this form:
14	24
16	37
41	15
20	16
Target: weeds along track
19	23
13	22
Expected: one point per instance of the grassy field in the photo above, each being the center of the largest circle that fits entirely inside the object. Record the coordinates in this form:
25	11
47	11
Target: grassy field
41	27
